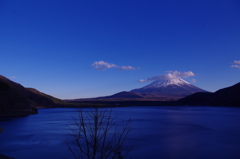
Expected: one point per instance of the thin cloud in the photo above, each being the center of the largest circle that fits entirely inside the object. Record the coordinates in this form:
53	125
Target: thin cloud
101	65
127	68
193	80
170	75
142	80
236	64
13	77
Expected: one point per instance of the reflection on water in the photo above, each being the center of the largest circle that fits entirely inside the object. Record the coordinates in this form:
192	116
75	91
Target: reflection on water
160	132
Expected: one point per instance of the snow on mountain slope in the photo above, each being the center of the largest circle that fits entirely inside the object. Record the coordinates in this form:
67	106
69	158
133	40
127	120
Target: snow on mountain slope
171	88
165	83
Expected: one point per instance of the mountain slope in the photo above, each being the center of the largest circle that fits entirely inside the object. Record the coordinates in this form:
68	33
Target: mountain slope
172	88
11	98
123	94
51	98
229	96
16	99
12	101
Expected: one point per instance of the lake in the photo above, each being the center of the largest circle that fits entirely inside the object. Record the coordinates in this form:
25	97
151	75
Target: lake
161	132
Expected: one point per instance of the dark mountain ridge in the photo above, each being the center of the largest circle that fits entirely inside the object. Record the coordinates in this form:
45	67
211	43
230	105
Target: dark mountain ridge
123	94
229	96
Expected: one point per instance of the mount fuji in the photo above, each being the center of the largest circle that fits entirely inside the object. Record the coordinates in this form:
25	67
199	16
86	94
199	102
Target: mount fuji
170	89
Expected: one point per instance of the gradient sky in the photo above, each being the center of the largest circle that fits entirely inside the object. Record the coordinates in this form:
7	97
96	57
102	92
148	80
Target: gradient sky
88	48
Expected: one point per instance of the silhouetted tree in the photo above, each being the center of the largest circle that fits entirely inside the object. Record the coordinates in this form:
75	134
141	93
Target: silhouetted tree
95	135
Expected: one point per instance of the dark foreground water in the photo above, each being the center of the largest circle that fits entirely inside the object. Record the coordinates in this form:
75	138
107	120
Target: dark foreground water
160	133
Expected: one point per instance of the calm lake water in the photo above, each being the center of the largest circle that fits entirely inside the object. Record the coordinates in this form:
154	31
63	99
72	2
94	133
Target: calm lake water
170	132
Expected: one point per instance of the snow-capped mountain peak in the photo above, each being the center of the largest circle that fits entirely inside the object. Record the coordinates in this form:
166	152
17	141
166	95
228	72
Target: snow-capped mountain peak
172	88
165	83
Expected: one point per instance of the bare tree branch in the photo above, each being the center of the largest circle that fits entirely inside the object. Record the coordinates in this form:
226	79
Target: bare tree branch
95	135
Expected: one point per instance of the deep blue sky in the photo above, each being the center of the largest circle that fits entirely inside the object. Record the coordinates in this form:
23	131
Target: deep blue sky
51	45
